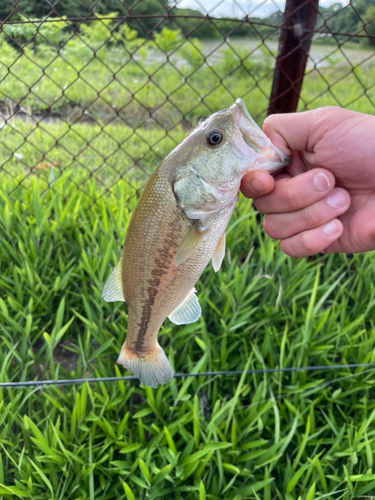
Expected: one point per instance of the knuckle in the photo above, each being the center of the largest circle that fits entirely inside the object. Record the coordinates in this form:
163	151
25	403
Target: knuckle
270	227
287	249
290	197
331	109
324	113
309	218
258	205
307	244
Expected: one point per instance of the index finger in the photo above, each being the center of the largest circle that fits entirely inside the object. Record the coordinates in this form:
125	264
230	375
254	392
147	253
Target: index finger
257	183
291	194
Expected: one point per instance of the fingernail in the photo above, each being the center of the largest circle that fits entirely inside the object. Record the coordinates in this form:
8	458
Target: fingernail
321	181
331	228
257	186
337	199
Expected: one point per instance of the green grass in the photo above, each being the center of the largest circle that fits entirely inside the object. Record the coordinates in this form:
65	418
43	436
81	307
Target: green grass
111	86
67	190
285	435
93	80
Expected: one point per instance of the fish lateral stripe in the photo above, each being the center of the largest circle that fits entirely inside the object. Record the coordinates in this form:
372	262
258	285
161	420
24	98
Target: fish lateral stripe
162	262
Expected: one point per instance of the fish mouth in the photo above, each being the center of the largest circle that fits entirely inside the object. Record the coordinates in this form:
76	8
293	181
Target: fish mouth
267	155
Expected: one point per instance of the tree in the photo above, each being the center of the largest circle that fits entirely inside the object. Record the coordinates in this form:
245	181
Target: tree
369	27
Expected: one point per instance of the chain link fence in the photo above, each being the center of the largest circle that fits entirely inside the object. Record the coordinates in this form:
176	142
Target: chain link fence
101	92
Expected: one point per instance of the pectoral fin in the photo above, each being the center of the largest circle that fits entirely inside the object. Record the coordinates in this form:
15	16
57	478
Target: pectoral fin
219	253
189	243
113	288
188	311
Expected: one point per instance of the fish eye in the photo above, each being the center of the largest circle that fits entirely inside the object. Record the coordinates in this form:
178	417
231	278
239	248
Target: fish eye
214	137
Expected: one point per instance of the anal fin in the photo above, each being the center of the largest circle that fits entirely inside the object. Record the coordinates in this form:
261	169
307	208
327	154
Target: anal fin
113	288
189	243
219	254
188	311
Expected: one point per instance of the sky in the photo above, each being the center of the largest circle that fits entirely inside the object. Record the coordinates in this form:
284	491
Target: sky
238	8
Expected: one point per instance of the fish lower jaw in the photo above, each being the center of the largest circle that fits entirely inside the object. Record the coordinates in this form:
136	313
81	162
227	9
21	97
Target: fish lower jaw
152	368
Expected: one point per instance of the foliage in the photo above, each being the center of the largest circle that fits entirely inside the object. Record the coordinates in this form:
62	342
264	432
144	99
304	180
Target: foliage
70	77
236	59
22	33
335	18
285	435
168	40
35	9
192	52
126	77
369	19
69	180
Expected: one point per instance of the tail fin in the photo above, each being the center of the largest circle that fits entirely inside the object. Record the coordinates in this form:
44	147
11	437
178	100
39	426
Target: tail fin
151	370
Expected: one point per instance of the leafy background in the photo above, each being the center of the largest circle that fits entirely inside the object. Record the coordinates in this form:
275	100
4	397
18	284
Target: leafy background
76	147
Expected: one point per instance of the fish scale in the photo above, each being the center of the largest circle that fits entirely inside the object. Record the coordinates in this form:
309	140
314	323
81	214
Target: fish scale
161	235
177	227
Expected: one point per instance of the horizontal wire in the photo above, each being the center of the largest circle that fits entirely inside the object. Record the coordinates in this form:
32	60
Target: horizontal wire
125	17
184	375
43	383
138	16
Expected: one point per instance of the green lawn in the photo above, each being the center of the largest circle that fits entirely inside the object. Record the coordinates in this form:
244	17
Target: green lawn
67	190
283	435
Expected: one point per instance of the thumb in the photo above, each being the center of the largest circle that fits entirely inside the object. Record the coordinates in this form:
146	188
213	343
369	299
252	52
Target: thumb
300	131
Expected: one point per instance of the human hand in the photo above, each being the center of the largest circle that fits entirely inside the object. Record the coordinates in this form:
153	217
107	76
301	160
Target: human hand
332	207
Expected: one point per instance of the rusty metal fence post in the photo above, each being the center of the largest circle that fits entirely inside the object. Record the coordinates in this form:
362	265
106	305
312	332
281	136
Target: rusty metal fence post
296	34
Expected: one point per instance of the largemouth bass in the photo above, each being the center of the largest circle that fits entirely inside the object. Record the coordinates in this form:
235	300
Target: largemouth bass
178	226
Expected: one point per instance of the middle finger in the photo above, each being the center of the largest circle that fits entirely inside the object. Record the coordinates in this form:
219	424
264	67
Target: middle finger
281	226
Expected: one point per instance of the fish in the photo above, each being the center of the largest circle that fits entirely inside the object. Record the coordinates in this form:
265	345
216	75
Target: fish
178	226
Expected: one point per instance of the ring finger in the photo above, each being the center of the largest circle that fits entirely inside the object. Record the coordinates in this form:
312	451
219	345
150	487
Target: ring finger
312	241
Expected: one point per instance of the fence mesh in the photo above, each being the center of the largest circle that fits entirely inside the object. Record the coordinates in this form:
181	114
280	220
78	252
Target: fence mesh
92	97
103	91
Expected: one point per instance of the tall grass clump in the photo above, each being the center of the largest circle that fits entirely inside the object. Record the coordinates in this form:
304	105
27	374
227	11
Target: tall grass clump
87	118
282	435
